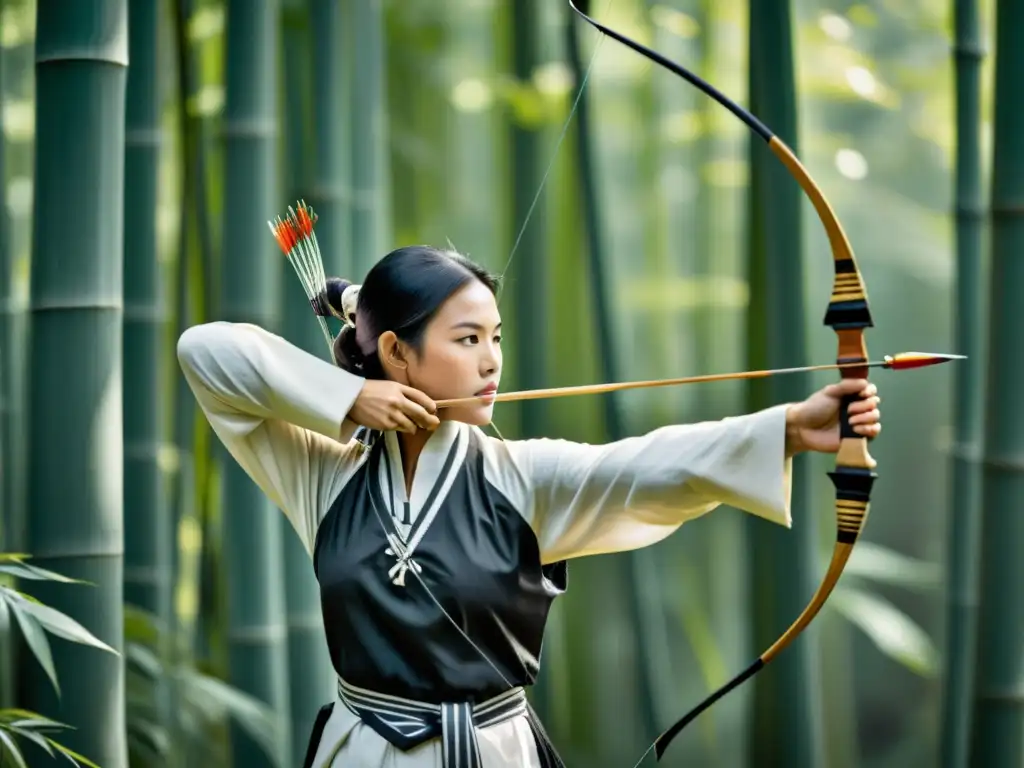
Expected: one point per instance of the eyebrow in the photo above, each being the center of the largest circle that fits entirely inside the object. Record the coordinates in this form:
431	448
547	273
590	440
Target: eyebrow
472	325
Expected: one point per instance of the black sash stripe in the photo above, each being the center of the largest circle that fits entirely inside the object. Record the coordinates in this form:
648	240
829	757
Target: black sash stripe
406	723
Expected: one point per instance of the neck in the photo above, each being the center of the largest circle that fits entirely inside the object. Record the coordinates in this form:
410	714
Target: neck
412	447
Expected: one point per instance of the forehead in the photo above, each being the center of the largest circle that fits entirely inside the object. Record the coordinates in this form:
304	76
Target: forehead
473	301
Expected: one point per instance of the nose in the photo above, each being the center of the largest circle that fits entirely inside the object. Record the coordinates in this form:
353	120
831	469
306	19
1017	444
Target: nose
490	360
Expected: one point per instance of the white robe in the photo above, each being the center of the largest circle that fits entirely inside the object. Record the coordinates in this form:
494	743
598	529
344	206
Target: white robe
282	414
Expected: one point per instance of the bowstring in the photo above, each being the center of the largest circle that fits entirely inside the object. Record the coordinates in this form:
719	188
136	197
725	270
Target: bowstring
515	247
554	157
544	178
371	468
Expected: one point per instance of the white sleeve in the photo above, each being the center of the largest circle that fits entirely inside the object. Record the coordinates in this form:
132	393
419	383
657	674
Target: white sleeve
280	412
589	499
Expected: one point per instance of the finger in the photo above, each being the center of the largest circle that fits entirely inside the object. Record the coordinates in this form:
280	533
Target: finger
869	391
420	398
419	415
846	387
403	423
871	417
868	430
863	406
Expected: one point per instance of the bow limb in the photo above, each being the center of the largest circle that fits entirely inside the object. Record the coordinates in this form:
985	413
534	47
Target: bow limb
848	315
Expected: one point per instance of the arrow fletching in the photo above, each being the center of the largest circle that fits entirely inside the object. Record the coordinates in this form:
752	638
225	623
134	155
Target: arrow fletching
297	240
907	360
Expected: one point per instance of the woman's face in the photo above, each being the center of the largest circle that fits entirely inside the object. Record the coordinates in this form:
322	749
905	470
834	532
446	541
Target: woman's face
460	354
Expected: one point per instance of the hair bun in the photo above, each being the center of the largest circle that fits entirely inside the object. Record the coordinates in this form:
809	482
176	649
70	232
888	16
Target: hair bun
347	353
339	299
327	303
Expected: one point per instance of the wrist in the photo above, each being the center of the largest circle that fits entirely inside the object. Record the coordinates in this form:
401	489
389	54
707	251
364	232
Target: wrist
794	442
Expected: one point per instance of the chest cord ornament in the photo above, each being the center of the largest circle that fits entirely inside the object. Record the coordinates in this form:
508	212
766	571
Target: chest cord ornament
848	314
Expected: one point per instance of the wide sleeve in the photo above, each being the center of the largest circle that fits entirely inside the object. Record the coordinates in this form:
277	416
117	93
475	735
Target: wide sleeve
280	412
585	499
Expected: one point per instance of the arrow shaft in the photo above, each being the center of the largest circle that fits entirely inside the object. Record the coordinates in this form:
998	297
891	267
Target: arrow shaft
595	389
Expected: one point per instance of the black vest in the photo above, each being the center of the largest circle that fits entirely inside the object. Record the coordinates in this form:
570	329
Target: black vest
479	559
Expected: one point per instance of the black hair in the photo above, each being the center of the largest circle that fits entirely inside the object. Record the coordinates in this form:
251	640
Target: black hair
401	293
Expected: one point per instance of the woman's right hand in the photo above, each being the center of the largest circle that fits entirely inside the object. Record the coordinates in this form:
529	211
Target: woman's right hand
389	406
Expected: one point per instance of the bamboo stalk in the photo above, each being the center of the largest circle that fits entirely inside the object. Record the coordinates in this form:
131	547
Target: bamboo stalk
314	107
249	285
998	716
148	538
643	601
786	725
6	358
899	362
330	193
8	514
528	262
962	538
369	138
75	441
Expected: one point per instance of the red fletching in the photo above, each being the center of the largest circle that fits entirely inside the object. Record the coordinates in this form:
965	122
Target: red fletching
305	219
294	228
284	234
907	360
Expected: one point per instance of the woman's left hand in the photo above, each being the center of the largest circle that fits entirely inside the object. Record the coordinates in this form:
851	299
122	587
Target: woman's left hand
813	425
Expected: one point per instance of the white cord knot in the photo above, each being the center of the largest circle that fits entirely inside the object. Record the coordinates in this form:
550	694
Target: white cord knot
405	562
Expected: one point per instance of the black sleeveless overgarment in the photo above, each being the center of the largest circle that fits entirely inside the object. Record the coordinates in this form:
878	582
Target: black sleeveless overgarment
478	558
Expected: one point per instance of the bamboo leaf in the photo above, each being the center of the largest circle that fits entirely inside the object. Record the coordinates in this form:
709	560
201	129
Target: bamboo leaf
62	625
37	643
892	631
143	660
11	748
34	573
150	737
15	714
72	756
254	717
37	723
10	594
34	736
141	626
881	564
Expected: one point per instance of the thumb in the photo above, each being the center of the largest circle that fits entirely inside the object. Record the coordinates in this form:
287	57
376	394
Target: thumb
846	387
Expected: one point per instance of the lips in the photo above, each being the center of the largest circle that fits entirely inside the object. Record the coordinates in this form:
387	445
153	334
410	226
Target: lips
490	389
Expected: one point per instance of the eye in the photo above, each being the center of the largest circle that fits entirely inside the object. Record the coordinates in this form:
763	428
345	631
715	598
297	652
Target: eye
497	339
472	339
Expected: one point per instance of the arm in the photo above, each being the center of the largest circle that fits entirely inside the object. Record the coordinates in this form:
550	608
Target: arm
591	499
279	411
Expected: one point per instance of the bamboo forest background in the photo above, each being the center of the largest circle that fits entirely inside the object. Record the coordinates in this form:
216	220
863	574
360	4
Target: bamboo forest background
664	243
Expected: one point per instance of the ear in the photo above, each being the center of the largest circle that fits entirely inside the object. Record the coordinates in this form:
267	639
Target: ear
391	352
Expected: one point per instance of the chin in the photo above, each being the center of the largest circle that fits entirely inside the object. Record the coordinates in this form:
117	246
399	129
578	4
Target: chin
477	416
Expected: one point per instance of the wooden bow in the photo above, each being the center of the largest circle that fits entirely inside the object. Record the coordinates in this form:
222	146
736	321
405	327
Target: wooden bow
848	314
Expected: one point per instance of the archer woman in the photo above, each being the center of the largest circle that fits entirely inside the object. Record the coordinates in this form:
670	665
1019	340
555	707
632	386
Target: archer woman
439	549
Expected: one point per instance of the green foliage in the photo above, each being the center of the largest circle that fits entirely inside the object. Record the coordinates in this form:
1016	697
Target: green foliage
892	631
35	728
35	620
157	664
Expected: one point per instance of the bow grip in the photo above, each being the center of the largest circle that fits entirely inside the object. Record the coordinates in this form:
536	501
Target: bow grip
845	428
